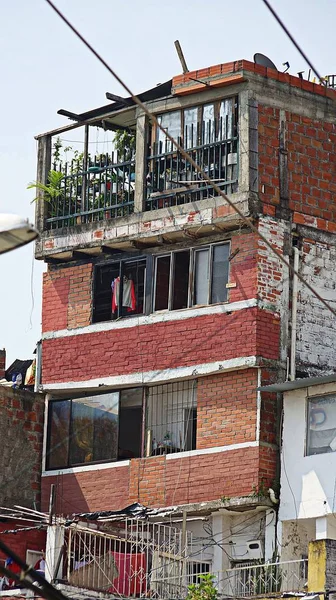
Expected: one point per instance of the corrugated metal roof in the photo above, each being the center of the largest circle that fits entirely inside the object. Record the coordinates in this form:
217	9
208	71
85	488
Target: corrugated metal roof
286	386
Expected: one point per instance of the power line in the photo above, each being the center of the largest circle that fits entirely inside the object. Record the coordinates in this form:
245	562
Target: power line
292	39
187	156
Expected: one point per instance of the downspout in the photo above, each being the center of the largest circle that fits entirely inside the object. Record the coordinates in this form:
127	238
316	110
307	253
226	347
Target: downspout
294	314
38	366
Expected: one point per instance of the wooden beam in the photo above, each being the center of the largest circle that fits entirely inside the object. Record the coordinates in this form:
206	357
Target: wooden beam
115	98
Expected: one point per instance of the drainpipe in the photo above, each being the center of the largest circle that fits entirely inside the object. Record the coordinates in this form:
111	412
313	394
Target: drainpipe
38	366
294	314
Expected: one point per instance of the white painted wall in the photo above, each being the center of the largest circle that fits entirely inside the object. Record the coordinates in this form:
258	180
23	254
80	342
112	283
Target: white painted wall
308	483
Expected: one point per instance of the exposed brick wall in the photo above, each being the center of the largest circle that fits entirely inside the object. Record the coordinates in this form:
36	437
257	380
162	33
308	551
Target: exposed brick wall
66	297
271	270
243	267
311	161
2	363
158	482
163	345
223	401
22	541
21	431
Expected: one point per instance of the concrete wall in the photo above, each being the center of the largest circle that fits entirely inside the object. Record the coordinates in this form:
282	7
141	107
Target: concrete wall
21	432
307	482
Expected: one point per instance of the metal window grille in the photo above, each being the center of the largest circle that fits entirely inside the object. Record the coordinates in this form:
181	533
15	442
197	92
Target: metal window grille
211	138
171	417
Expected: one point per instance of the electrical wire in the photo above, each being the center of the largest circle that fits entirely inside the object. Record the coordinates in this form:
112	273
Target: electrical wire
293	40
189	158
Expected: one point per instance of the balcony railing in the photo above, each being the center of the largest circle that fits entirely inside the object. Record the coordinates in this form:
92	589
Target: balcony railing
259	580
171	179
102	189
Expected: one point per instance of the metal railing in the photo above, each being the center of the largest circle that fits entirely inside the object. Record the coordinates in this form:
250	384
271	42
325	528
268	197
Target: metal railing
102	189
171	180
269	578
134	559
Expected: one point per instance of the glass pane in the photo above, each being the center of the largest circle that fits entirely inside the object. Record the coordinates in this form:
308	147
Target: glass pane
162	282
322	425
171	121
208	124
225	120
94	428
181	280
201	276
220	273
190	127
58	439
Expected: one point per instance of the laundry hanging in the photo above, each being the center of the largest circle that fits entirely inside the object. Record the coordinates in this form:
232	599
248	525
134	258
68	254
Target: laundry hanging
128	294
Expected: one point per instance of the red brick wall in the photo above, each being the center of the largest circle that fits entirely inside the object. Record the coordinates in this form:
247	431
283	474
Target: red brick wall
311	147
243	267
21	431
158	482
22	541
2	363
66	297
223	401
161	346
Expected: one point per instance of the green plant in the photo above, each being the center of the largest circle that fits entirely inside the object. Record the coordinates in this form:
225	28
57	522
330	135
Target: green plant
51	190
204	590
124	143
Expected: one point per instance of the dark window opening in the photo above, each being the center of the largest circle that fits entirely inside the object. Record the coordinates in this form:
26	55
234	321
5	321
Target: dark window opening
181	280
130	424
119	290
162	283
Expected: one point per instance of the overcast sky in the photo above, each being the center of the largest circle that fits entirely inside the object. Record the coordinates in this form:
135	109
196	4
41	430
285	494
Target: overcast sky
44	68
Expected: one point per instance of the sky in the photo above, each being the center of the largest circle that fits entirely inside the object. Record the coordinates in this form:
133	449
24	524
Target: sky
43	68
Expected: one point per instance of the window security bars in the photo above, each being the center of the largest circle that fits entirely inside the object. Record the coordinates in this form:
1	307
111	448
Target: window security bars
102	189
135	559
209	134
171	417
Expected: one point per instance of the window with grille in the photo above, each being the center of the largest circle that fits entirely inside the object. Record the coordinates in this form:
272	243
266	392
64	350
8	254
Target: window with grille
171	418
109	427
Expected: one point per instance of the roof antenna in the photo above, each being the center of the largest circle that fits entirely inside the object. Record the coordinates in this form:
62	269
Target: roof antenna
181	56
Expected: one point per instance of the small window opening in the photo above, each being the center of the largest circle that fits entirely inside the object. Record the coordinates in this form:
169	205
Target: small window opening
119	290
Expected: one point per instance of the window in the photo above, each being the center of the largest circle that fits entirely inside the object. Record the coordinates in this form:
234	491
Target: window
121	425
321	426
210	134
119	289
105	427
191	277
171	418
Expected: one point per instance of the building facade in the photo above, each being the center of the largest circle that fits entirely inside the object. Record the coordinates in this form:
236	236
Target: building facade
164	312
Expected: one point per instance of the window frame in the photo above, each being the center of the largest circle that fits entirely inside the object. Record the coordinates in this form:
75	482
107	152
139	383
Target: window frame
143	423
199	134
191	277
311	400
122	261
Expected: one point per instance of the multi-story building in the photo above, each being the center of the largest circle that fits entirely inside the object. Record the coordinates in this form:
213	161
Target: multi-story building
164	312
